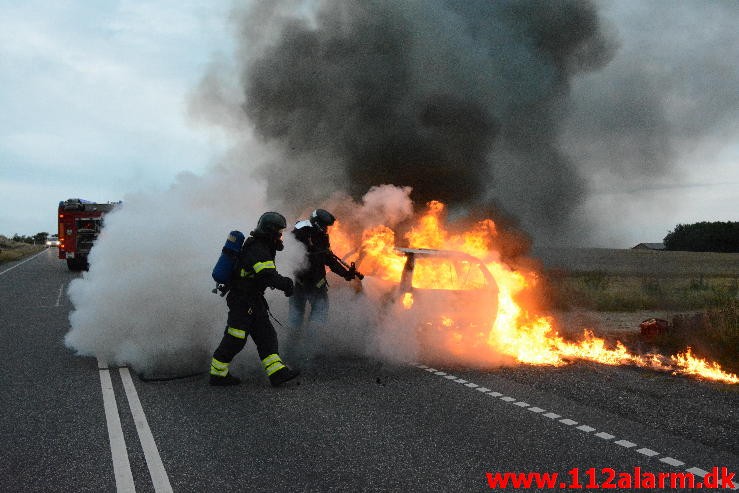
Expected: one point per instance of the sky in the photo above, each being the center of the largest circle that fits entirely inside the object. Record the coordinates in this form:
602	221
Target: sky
97	103
94	101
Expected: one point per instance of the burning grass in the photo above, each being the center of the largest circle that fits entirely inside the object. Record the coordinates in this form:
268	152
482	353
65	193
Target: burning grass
713	332
704	314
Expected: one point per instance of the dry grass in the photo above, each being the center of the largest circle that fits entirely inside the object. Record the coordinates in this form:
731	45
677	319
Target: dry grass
617	293
630	280
12	250
640	263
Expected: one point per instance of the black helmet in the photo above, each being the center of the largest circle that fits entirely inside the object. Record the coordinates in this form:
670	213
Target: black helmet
321	219
271	223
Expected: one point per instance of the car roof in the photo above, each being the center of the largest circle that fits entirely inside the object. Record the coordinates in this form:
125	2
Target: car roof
439	253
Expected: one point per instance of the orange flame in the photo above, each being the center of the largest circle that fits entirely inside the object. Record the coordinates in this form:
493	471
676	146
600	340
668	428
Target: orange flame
515	330
407	301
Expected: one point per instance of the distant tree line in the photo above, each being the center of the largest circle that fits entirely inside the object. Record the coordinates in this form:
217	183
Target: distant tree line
720	237
36	239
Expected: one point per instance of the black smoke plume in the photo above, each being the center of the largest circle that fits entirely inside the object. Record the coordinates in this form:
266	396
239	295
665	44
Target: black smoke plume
423	94
516	108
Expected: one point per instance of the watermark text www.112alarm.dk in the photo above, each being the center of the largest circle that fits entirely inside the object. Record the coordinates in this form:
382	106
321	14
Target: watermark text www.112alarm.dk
608	478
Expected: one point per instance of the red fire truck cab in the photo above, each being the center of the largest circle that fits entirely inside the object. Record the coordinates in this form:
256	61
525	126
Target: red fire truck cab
80	222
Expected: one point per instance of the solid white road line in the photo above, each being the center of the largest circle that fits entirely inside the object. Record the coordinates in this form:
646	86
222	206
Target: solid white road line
21	263
154	462
121	466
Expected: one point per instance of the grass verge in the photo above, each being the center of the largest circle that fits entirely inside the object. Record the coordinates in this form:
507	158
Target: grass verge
12	250
710	305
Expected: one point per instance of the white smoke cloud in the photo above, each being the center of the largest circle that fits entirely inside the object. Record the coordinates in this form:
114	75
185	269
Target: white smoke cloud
146	301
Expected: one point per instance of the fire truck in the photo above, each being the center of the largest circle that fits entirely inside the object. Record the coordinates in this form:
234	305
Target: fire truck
80	222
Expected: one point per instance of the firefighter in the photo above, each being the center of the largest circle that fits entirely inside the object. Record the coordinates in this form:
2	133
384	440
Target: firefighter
310	283
248	310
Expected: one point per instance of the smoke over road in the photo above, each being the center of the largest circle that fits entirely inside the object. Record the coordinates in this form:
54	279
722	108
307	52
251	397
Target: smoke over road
146	301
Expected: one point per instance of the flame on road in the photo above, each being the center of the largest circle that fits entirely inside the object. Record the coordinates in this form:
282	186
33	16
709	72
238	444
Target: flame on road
519	330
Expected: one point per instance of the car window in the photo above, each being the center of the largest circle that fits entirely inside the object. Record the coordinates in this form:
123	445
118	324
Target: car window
443	273
388	267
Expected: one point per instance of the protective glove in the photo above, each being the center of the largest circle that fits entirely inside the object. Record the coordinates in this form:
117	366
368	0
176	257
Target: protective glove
289	287
350	273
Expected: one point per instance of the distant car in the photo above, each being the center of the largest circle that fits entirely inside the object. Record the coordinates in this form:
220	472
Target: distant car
52	241
451	296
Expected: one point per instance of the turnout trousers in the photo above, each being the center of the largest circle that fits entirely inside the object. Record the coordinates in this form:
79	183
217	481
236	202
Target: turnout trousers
247	315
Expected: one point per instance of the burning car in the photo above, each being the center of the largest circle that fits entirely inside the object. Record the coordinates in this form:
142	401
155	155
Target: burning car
450	297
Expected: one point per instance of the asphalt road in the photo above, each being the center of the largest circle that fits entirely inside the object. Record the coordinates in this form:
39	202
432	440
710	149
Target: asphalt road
351	424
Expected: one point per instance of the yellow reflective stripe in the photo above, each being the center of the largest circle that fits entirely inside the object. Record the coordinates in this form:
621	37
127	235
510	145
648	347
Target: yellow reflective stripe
246	273
238	333
260	266
218	368
272	363
320	283
274	367
271	359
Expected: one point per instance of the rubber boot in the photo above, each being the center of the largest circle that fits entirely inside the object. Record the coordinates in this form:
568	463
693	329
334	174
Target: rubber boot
282	375
229	379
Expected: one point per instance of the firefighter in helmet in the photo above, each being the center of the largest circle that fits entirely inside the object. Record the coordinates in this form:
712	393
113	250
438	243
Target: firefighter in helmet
248	310
310	283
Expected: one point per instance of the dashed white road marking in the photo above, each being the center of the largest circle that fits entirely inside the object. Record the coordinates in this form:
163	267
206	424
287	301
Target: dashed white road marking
697	471
625	443
570	422
604	435
672	462
59	297
647	452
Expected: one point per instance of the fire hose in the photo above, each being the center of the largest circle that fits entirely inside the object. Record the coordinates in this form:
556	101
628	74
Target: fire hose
351	267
